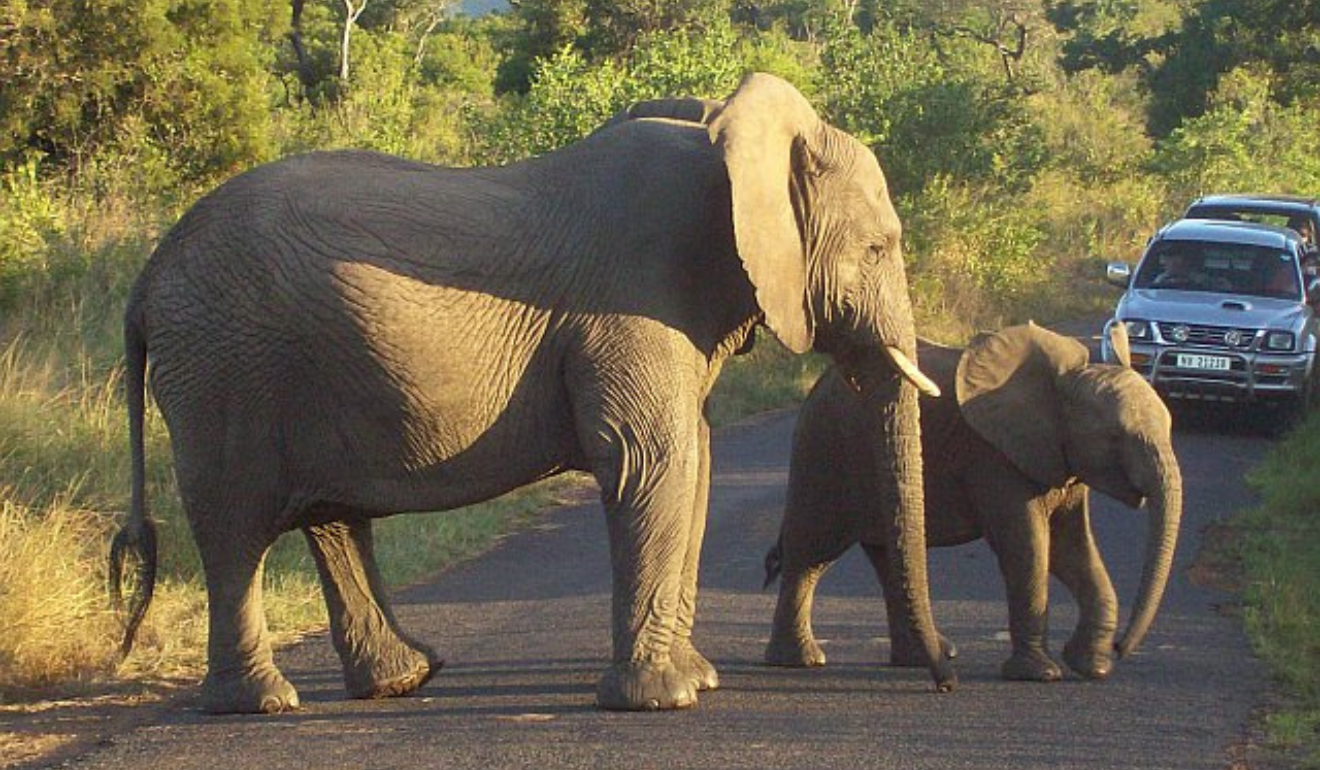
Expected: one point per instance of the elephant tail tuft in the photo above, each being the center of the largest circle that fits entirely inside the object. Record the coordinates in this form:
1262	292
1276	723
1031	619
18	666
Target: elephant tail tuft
136	539
774	565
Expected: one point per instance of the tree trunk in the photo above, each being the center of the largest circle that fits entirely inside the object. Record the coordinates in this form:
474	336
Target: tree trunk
351	14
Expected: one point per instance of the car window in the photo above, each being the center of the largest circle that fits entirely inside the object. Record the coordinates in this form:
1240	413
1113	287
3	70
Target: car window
1304	222
1259	271
1238	215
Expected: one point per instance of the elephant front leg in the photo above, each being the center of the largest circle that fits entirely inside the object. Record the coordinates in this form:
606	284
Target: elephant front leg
241	677
1076	561
378	662
1021	543
686	656
649	519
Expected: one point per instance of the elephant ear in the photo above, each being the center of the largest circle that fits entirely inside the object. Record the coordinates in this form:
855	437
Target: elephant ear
762	132
1006	390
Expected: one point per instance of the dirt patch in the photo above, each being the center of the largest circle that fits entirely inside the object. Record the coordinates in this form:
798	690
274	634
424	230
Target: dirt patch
1217	565
41	733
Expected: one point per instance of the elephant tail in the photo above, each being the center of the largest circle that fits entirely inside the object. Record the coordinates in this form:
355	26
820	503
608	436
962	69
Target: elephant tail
774	565
136	539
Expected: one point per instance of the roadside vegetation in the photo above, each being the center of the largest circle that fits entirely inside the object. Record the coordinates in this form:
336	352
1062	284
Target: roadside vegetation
1278	545
1026	143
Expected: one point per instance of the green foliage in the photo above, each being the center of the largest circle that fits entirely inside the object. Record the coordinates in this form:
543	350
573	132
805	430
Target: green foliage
1181	50
596	29
971	251
967	130
28	220
570	96
860	75
894	90
184	78
461	57
1246	142
1281	561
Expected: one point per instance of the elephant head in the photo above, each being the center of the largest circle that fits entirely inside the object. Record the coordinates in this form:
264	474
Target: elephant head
821	243
1032	395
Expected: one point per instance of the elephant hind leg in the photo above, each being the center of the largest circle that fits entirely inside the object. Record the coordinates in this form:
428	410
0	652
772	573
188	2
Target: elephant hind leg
377	659
904	650
241	676
792	642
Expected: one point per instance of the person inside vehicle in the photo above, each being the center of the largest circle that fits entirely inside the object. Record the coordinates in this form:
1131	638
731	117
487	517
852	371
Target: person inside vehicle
1180	272
1281	279
1311	258
1303	227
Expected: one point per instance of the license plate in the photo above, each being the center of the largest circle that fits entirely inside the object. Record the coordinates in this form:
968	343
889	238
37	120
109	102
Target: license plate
1213	363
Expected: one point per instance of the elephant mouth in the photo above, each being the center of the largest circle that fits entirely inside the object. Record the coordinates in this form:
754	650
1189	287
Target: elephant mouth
855	374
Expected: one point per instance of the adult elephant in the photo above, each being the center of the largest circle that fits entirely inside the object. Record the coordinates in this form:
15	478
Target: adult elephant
1009	459
342	336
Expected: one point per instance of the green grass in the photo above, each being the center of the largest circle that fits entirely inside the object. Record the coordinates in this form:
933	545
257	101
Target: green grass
1280	555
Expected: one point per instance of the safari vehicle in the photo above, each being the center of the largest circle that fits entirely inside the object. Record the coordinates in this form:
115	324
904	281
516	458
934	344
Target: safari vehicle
1219	311
1284	210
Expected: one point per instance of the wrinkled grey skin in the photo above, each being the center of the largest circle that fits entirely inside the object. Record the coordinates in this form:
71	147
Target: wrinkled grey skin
342	336
1010	459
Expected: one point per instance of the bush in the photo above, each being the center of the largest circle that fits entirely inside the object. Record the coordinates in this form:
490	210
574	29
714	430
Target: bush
29	218
570	97
185	78
1245	142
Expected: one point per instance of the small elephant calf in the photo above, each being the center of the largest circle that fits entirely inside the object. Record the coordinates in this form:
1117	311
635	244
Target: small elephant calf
1026	425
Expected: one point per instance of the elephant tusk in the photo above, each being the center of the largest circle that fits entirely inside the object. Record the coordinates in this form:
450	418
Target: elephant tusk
912	373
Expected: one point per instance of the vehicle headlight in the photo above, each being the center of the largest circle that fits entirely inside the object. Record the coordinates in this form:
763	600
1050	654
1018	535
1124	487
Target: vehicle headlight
1138	330
1279	341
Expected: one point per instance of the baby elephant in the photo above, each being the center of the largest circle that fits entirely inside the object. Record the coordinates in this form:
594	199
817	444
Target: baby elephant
1024	427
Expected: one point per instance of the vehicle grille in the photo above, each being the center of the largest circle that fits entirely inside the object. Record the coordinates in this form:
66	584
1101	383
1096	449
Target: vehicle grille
1233	338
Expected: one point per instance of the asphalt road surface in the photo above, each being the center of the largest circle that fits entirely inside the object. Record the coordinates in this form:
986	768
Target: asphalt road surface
525	632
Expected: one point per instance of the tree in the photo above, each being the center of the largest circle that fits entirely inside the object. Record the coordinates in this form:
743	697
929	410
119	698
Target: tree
183	79
351	15
1181	56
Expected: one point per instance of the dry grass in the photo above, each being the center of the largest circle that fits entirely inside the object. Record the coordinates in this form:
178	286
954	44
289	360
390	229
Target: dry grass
55	625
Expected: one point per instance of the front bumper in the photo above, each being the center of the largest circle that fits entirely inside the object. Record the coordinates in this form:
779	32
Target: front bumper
1250	376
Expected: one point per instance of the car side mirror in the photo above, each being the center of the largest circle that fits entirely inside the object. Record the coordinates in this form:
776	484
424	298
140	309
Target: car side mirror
1119	274
1312	289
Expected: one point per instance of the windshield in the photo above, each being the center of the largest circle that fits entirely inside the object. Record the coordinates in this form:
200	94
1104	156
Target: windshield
1235	268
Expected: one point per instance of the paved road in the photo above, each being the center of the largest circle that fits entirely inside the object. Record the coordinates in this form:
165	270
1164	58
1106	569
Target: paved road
525	632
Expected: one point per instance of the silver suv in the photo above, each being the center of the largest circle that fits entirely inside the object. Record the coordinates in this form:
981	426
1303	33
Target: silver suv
1219	311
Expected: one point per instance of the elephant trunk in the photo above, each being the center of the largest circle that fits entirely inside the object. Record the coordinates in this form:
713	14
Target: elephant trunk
1164	508
898	454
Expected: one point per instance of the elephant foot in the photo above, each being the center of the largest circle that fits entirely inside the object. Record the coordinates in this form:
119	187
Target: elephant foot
904	654
793	651
1088	661
387	676
645	687
691	662
264	691
1031	667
